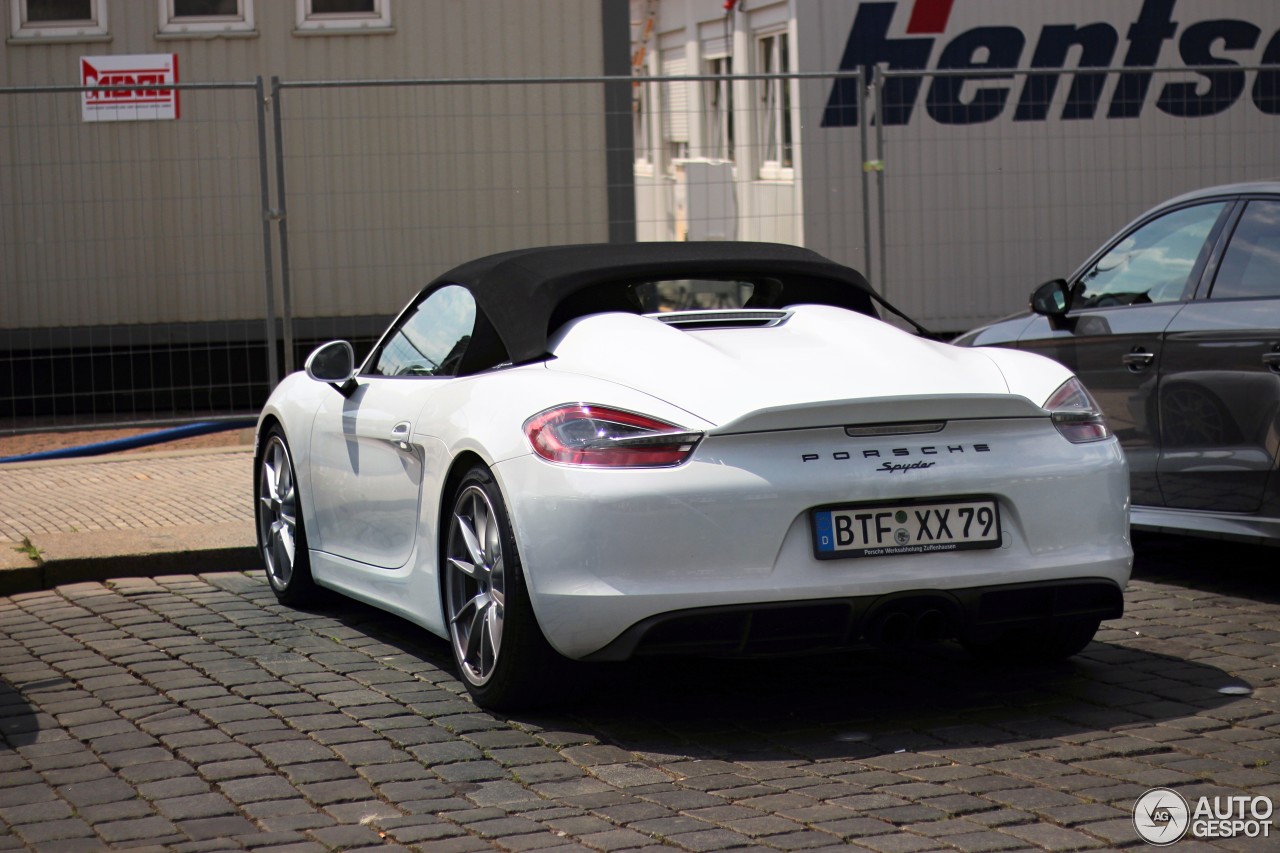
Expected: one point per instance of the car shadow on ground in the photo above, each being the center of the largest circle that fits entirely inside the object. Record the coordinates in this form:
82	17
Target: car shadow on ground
19	724
1210	565
884	701
846	704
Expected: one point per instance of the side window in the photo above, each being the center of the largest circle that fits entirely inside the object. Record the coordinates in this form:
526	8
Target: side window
206	16
1152	263
1251	266
349	16
57	19
774	107
432	338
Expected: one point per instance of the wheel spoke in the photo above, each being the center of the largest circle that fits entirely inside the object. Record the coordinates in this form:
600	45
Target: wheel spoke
278	463
476	602
269	476
492	543
497	583
286	538
469	539
479	518
284	477
493	626
475	633
281	554
466	568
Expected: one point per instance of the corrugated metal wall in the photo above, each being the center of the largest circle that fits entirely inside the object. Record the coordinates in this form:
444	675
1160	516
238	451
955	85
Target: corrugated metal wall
159	222
129	222
387	187
133	278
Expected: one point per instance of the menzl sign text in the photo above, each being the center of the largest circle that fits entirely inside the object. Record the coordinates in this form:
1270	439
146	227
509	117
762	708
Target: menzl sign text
149	97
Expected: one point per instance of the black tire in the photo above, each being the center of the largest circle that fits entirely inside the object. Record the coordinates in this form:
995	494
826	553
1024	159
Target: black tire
282	538
502	656
1054	642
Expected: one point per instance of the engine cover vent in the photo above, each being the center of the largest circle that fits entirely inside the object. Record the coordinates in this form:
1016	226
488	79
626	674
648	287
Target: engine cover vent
721	319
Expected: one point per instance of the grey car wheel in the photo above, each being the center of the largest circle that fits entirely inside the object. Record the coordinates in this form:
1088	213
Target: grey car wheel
502	655
476	585
282	540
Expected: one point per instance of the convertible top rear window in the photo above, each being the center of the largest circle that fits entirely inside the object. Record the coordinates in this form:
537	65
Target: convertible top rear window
689	294
525	295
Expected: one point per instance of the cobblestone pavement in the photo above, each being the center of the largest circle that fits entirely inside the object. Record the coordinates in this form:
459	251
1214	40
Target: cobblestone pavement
126	492
195	714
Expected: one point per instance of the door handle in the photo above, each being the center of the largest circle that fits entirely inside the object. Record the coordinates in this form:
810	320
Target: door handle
400	435
1272	361
1138	360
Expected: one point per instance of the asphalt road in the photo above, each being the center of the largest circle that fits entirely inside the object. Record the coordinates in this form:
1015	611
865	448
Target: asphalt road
195	714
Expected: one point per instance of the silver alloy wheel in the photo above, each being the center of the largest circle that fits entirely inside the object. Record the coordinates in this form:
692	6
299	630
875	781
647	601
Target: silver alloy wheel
278	513
476	584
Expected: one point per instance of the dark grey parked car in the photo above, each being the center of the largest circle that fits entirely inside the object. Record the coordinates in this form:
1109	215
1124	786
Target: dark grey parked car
1174	325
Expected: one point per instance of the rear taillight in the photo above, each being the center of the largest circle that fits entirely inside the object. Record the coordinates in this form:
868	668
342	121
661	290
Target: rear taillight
582	434
1076	414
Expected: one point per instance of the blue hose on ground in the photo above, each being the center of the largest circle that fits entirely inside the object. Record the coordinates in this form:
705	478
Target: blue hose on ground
148	438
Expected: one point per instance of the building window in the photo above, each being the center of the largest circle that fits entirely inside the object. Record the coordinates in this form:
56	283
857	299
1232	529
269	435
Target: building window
775	109
718	109
206	16
57	19
343	15
675	107
641	100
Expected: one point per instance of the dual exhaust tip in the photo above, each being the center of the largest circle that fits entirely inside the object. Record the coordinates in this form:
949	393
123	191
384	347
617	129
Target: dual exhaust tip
905	625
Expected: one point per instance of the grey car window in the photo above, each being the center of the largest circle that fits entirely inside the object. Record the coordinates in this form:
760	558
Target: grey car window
432	339
1251	266
1151	263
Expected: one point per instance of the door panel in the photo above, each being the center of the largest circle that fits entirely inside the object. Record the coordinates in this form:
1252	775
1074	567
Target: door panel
368	473
1220	380
1112	337
1116	352
1220	405
367	477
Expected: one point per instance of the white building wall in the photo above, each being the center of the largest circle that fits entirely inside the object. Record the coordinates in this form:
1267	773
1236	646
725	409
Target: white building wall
975	215
688	37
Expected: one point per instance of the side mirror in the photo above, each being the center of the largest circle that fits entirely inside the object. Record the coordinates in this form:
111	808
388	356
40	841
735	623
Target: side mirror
334	363
1051	299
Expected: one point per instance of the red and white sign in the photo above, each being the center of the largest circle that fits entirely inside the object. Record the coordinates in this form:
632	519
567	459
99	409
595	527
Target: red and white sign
143	103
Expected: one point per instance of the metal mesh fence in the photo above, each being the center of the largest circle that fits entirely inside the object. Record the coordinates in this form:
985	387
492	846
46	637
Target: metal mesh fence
132	261
138	283
386	184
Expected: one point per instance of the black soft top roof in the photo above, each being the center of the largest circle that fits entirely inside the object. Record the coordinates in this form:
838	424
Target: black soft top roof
524	295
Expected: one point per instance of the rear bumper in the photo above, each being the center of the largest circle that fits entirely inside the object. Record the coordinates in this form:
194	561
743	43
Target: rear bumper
604	550
980	613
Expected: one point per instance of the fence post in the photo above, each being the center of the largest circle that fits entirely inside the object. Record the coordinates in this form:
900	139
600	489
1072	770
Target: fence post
273	365
282	223
864	120
884	241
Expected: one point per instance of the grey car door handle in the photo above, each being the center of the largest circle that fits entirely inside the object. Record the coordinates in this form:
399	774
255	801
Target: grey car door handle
400	435
1136	361
1272	360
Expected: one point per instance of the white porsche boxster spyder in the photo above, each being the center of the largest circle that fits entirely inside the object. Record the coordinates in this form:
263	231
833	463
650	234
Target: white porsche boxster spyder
540	460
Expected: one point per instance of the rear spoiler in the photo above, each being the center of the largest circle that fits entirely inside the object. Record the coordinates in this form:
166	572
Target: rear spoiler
882	410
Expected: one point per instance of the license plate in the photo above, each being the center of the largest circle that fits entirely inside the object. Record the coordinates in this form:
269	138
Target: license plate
905	527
